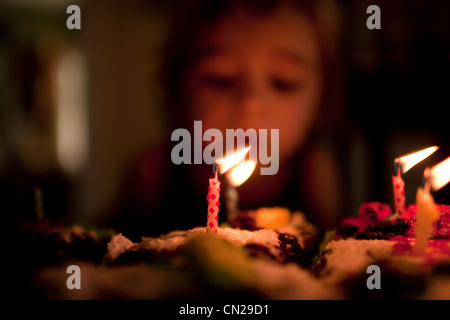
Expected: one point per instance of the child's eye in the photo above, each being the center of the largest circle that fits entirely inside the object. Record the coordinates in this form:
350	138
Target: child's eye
218	81
285	85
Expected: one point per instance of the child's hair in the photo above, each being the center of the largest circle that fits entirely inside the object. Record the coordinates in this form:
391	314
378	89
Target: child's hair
193	19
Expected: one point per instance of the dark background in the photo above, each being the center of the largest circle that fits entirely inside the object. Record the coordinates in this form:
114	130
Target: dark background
397	83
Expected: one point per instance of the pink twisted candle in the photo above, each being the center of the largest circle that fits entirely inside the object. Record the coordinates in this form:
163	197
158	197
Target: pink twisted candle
212	217
399	193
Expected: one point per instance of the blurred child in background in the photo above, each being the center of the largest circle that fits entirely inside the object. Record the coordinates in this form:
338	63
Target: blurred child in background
231	64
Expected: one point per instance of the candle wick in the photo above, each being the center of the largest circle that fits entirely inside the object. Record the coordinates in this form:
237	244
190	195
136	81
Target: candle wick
397	167
426	179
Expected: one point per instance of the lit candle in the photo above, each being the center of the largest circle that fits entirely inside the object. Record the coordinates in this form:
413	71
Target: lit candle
399	193
212	217
402	165
225	164
236	176
427	211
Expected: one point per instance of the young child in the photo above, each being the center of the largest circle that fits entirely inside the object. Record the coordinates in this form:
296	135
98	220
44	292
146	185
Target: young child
244	64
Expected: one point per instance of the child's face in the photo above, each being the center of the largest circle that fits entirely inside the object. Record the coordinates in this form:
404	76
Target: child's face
260	72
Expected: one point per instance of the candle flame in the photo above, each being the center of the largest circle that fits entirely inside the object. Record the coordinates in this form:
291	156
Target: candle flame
440	174
227	163
240	173
410	160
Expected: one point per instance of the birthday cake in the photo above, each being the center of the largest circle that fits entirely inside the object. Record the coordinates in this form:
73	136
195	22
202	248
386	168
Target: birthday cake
269	253
387	242
270	262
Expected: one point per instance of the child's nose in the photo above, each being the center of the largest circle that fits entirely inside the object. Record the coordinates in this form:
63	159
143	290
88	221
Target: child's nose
252	99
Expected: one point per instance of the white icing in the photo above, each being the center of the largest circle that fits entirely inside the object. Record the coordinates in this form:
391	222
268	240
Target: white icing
175	239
